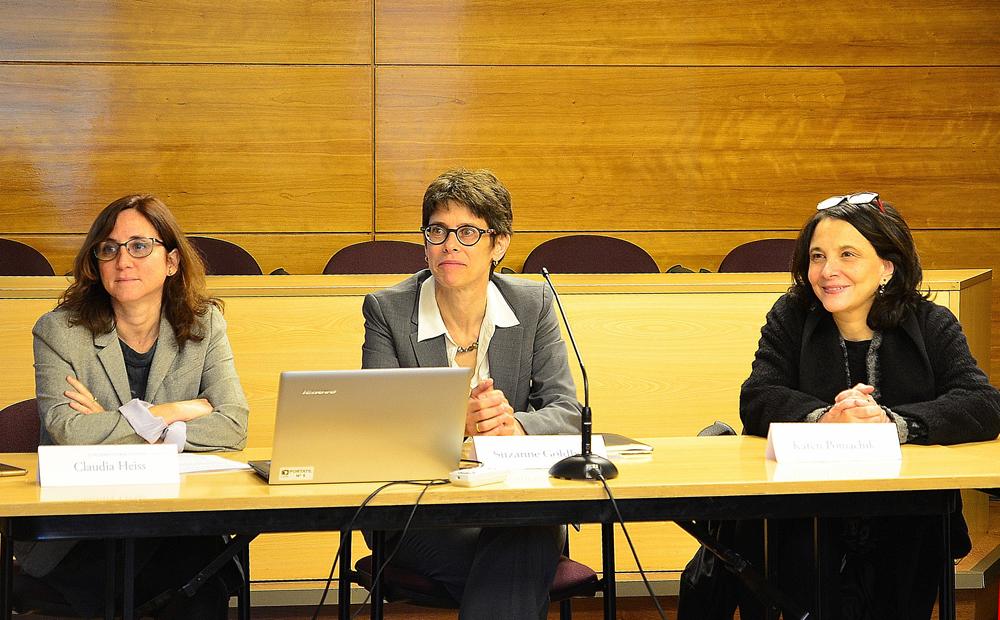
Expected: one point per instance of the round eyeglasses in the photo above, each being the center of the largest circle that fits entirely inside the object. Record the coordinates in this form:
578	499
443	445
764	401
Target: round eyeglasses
137	247
466	235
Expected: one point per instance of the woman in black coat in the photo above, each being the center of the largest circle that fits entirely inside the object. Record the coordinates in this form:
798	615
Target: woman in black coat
855	341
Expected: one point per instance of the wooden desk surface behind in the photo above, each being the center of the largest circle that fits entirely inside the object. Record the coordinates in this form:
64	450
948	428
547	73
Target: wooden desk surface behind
666	354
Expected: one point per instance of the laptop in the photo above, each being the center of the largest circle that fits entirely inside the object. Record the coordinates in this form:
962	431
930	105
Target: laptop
375	425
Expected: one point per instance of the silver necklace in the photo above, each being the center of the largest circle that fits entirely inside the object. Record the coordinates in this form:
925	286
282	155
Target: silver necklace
471	347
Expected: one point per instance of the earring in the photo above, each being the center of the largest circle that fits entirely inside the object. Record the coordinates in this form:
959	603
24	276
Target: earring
881	287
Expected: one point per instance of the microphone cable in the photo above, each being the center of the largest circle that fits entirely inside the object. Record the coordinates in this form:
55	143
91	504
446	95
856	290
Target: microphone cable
635	555
349	529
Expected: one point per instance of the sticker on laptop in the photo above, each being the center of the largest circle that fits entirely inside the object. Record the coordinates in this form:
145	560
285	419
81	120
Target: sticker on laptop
295	474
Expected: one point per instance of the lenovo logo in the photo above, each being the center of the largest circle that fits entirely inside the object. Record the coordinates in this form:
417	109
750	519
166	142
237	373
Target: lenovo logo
318	392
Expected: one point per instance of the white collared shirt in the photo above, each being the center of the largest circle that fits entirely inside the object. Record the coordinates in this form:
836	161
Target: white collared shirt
431	325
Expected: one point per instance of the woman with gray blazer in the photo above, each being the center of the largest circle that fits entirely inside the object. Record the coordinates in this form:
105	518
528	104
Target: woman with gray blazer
458	313
136	352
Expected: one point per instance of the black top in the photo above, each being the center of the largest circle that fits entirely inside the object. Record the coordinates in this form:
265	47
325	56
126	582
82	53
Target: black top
137	367
857	358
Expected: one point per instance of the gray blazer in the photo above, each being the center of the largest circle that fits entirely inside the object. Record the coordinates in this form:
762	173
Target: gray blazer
528	362
198	370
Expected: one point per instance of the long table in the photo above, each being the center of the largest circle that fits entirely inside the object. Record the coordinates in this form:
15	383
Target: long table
691	338
684	479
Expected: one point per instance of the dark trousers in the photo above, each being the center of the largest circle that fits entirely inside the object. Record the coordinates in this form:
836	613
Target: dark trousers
161	564
874	568
494	573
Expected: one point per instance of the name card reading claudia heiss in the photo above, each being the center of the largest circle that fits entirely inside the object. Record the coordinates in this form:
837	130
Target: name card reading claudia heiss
65	466
806	442
529	451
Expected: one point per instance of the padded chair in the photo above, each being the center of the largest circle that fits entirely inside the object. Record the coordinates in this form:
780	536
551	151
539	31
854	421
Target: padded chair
223	258
377	257
19	432
589	254
760	255
18	259
400	585
19	427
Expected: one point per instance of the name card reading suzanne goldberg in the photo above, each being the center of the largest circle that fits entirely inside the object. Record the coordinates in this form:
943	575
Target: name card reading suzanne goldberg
805	442
529	451
62	466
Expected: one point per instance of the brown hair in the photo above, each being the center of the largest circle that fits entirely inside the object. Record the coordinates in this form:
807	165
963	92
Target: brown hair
479	190
892	240
185	296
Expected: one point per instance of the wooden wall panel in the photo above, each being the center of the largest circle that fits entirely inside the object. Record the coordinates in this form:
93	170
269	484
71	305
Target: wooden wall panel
193	31
692	148
229	148
687	32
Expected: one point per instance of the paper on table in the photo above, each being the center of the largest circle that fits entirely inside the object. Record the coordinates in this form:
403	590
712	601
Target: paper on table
189	462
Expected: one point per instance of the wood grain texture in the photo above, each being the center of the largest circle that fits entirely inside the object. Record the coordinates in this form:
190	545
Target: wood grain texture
195	31
645	148
228	148
687	32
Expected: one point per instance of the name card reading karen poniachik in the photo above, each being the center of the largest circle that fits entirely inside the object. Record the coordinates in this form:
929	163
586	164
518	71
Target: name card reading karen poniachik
529	451
812	442
65	466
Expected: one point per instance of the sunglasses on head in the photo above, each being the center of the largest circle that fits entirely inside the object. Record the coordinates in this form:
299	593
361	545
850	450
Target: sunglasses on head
861	198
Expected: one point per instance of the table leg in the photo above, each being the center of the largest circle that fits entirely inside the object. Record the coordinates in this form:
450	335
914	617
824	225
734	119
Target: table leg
128	579
6	571
344	578
946	592
110	577
770	567
378	559
608	568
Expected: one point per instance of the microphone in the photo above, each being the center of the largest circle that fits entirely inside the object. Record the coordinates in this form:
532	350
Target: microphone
586	465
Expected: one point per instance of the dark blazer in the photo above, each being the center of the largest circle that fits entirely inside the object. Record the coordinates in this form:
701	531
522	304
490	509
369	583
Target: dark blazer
528	362
926	372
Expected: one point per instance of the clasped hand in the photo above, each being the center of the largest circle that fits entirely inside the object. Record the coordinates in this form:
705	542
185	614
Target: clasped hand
489	413
855	405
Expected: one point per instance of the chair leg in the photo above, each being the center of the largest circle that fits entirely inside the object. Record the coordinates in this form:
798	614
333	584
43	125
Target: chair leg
566	609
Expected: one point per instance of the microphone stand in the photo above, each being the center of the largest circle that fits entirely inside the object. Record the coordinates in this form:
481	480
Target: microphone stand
586	465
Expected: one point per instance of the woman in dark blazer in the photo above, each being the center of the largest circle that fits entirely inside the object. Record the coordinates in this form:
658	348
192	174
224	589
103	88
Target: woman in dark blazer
136	352
459	313
855	341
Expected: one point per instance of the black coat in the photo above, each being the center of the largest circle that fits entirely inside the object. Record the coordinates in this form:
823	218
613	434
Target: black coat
926	372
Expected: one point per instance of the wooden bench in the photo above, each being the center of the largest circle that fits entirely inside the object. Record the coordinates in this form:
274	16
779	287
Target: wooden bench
690	341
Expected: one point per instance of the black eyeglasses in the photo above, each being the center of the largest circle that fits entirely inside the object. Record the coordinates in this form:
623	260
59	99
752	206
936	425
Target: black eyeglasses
138	247
466	235
861	198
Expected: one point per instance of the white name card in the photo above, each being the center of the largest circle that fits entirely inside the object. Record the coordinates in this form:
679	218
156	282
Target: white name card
529	451
806	442
70	466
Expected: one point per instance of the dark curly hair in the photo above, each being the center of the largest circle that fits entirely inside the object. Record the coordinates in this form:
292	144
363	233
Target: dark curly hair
185	296
892	240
